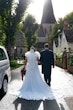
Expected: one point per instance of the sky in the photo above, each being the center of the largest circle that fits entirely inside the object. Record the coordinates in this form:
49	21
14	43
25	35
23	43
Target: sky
61	8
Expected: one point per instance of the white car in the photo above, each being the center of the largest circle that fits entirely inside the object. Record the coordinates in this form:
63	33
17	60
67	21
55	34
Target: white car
5	73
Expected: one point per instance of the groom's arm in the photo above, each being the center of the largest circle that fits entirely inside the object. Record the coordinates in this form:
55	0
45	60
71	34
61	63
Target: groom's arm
52	61
40	62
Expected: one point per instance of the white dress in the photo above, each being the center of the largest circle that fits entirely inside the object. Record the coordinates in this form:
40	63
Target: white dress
34	87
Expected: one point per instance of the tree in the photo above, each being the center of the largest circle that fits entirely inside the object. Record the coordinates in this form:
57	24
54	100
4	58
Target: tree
57	29
2	35
69	19
29	28
10	17
59	25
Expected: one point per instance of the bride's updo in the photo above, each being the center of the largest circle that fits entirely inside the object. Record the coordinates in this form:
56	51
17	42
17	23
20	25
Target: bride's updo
32	48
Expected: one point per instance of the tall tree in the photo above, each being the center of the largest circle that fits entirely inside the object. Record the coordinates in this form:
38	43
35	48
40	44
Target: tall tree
29	28
59	26
10	17
57	29
69	19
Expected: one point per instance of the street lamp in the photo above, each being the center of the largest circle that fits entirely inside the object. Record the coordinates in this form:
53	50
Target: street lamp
14	52
58	30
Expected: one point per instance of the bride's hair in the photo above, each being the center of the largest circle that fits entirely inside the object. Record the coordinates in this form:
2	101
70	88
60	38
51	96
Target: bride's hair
32	48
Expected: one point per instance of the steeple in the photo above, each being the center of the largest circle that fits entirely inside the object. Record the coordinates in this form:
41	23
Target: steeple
48	14
45	29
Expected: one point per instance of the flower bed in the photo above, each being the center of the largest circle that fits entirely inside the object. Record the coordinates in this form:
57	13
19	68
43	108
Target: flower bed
58	63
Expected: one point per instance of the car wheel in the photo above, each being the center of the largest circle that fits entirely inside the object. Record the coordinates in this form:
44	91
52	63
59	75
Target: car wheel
4	86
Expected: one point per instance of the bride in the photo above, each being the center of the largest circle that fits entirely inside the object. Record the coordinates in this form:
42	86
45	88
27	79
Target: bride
34	87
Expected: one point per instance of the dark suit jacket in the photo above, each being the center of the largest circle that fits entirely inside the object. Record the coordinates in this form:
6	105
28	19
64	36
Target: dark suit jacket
46	59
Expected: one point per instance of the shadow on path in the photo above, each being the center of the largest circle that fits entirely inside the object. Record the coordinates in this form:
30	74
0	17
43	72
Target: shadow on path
62	107
26	104
21	104
50	105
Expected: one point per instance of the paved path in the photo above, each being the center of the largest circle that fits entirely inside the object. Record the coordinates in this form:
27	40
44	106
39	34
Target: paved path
62	87
62	83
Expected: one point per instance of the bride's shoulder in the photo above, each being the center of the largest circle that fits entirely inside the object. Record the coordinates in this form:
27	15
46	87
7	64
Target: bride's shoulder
37	54
26	53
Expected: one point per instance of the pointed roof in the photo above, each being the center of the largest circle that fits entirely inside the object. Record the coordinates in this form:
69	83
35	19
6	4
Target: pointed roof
69	35
48	14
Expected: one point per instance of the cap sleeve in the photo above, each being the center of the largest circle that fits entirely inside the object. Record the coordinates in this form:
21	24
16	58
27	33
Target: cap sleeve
26	54
37	54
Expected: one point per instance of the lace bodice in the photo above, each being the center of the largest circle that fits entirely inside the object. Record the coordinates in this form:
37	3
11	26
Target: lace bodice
31	57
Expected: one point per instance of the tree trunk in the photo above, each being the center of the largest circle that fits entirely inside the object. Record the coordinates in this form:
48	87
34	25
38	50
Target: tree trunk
9	47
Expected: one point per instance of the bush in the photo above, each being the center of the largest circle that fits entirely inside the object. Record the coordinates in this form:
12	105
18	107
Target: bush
14	64
59	57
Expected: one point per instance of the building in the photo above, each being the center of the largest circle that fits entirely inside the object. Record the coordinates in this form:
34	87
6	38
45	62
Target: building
64	40
18	50
45	28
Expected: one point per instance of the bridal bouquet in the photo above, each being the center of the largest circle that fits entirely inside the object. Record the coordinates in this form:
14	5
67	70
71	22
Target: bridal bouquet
23	71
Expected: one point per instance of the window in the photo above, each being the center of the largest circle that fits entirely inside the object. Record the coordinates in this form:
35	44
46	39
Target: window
2	55
20	51
50	28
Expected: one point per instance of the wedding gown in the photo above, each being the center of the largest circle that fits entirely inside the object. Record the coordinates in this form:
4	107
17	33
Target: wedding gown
34	87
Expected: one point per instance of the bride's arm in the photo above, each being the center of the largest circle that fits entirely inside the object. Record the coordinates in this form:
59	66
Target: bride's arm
25	61
38	60
38	57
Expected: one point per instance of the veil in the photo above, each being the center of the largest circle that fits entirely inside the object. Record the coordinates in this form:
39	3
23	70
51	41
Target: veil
32	49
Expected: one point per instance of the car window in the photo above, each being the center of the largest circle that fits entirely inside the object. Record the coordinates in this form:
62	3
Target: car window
2	55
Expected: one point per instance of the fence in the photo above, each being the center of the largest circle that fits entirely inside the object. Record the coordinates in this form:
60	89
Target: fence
66	62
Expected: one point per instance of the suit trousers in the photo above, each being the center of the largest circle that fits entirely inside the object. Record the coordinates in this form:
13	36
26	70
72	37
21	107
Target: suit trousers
47	78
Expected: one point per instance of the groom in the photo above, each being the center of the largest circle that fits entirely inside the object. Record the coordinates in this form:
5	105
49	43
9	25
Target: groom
47	60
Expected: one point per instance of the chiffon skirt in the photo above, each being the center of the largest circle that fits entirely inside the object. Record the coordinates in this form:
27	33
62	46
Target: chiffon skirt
34	87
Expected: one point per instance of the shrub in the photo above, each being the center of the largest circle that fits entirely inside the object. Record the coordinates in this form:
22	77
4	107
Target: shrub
59	57
14	64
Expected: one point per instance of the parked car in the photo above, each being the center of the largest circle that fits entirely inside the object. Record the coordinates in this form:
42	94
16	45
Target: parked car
5	73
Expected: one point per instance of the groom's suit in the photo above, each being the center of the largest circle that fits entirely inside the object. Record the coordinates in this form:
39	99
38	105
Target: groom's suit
47	59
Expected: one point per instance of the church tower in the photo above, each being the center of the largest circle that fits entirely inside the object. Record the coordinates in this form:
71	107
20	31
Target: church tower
48	13
45	29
